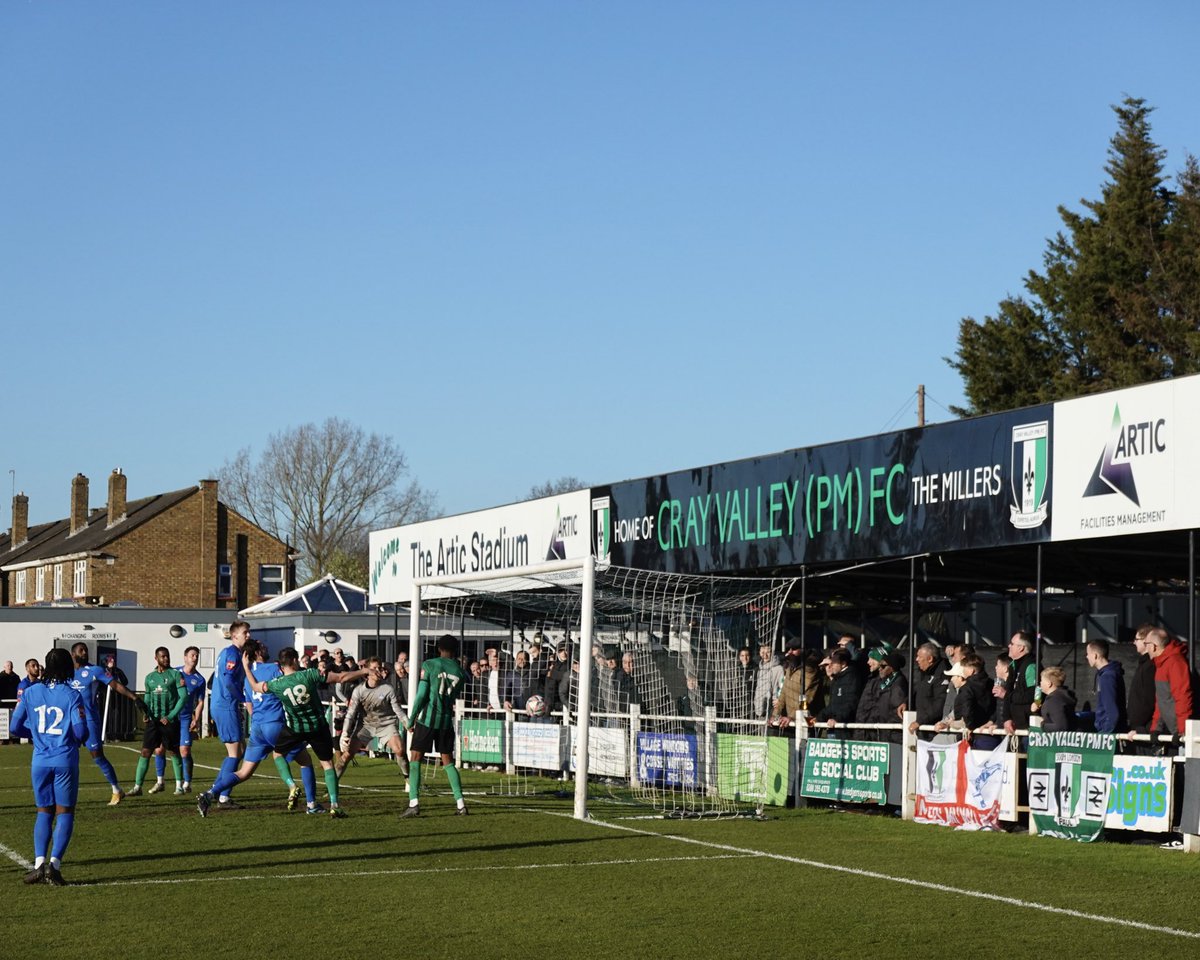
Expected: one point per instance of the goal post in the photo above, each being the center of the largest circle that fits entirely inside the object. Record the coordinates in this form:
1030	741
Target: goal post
657	709
526	577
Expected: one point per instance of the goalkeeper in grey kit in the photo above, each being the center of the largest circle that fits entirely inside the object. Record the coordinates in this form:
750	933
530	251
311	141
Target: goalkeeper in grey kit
381	714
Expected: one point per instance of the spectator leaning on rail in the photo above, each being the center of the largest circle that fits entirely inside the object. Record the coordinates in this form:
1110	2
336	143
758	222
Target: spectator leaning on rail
767	683
1172	684
974	705
929	685
845	688
1021	686
1109	699
885	696
1058	704
1141	696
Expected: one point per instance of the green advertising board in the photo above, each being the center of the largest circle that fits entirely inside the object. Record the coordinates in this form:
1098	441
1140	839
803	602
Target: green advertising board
482	741
753	768
1069	774
851	771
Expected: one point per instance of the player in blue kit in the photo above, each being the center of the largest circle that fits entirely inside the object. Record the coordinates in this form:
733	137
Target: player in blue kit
52	715
87	681
267	723
225	702
189	723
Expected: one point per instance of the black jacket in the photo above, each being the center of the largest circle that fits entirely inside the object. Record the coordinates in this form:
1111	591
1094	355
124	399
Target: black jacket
1139	709
1058	711
929	692
844	692
974	704
1019	696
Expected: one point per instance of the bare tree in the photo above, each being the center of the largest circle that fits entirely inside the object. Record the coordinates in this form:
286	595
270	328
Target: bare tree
552	488
324	487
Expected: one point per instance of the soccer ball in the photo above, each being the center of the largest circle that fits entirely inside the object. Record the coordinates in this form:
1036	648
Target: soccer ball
535	706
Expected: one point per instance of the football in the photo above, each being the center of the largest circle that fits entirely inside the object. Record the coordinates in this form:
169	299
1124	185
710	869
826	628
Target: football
535	706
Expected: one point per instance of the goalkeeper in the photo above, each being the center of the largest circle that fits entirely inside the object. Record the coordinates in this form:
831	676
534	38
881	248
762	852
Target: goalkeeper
377	705
432	722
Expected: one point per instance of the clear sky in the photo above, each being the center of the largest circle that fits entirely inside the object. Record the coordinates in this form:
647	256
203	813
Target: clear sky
529	239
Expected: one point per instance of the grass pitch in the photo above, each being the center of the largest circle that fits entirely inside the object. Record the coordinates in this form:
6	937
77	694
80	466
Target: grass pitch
519	876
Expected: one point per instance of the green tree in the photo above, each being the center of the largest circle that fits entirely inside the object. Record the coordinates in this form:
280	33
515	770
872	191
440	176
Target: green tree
1116	301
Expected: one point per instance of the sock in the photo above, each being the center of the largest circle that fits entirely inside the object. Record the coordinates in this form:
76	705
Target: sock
160	766
455	782
41	836
309	776
414	784
402	763
331	786
110	774
225	777
285	774
142	767
64	826
228	766
187	769
177	767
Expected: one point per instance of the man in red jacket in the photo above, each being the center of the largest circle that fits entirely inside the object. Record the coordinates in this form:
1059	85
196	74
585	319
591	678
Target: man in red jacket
1172	683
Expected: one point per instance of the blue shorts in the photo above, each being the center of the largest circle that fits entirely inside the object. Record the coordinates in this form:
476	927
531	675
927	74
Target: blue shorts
185	729
262	740
95	742
55	786
228	723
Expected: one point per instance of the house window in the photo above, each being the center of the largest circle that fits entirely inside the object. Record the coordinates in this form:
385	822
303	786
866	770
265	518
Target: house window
270	579
80	577
225	580
58	575
21	586
39	584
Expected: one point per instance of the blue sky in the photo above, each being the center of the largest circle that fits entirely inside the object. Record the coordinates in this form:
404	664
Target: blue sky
528	239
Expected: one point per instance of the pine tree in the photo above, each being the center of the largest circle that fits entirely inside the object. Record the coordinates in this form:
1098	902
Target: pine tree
1116	301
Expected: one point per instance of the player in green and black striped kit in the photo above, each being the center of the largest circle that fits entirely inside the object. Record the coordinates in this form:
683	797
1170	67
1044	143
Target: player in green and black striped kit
431	719
166	697
299	693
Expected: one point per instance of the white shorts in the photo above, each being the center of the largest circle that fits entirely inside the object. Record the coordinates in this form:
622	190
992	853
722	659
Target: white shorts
383	734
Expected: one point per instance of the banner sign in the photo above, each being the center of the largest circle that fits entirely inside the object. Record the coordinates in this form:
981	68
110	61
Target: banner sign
1141	794
959	787
489	541
608	751
668	759
1068	774
1127	461
754	768
848	770
539	745
966	484
482	741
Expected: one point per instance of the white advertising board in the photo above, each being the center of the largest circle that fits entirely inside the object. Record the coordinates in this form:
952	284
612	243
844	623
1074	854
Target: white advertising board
1125	462
499	541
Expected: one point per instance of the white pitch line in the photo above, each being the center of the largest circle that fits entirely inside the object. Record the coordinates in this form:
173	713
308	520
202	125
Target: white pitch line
342	874
907	881
16	858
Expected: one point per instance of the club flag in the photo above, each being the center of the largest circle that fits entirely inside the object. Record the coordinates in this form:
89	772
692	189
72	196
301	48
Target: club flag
959	787
1069	773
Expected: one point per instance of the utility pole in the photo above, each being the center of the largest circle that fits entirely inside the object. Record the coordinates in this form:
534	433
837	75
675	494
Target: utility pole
920	404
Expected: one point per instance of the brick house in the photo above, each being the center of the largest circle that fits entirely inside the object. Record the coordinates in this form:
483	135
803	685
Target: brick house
179	549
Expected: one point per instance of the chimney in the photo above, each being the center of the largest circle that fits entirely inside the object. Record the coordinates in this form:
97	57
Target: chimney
79	503
20	520
116	497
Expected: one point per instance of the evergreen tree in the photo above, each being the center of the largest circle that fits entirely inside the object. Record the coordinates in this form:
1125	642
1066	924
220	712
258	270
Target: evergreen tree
1116	302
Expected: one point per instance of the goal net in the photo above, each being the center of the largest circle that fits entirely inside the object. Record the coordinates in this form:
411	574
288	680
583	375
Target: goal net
634	685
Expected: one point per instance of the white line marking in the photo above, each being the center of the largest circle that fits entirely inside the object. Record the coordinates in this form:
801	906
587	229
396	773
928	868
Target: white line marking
410	870
907	881
16	858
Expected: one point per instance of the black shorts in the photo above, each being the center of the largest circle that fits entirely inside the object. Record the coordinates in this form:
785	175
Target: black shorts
426	740
319	739
160	735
